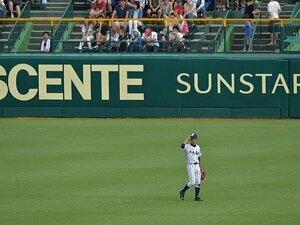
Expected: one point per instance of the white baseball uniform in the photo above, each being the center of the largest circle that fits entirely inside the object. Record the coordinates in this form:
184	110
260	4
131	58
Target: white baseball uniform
192	153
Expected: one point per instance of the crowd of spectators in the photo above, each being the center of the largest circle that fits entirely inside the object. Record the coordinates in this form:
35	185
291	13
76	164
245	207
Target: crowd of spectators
132	33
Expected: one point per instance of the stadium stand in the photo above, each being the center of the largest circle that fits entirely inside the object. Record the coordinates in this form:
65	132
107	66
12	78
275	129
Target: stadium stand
203	36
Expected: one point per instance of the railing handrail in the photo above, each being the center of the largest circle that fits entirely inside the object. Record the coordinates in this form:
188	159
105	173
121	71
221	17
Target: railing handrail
20	19
43	19
253	34
221	27
68	9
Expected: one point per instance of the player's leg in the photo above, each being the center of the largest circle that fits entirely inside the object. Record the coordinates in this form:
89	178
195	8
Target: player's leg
191	182
197	184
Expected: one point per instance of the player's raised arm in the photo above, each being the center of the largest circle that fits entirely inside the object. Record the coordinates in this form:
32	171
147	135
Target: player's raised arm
185	141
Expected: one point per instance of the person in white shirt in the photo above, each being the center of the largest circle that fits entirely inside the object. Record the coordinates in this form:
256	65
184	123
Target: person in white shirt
151	39
274	10
46	43
87	35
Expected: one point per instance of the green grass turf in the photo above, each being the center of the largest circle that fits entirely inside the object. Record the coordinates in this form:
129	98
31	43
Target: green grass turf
112	172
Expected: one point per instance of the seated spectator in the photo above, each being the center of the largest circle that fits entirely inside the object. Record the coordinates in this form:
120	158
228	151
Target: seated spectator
135	13
150	39
182	24
87	35
124	41
220	5
114	40
143	4
46	43
190	10
165	9
14	4
250	10
100	34
121	11
176	40
178	8
135	41
200	7
154	8
98	9
3	10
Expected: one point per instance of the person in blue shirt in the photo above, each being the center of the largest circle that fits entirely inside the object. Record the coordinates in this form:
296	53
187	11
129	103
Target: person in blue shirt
135	41
135	12
248	33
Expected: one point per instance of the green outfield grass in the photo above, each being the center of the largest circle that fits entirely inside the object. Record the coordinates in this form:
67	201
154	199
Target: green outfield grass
115	172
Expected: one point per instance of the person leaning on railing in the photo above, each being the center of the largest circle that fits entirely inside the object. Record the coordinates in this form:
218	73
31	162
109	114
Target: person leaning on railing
150	38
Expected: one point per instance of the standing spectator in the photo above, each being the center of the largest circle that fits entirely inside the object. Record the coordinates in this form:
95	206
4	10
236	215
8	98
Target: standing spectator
201	11
178	8
121	11
190	10
248	33
150	38
165	9
135	12
274	10
135	41
124	41
14	4
154	8
250	10
87	35
98	9
46	43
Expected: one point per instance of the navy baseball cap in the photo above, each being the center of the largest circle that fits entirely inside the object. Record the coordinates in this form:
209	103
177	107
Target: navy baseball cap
194	135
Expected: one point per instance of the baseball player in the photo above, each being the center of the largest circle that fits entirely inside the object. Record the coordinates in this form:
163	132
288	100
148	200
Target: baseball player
193	154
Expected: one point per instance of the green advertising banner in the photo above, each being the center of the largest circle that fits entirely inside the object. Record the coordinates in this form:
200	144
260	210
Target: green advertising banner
149	85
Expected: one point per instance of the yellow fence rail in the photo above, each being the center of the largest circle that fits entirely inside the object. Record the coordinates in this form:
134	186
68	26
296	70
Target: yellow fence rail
52	21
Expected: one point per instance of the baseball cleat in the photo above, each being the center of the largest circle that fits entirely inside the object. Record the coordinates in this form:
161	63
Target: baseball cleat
181	195
198	199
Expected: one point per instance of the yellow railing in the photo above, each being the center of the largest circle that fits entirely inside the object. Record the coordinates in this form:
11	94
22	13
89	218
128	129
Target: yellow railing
52	21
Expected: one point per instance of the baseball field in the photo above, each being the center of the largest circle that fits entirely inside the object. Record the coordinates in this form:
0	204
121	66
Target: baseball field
129	172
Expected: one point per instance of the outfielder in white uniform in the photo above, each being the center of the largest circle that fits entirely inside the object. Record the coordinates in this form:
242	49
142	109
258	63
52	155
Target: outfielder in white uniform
193	154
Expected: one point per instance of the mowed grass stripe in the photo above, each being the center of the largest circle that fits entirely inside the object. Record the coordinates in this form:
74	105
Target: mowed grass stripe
129	171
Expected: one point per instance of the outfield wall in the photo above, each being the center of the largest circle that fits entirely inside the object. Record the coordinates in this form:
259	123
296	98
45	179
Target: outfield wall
83	85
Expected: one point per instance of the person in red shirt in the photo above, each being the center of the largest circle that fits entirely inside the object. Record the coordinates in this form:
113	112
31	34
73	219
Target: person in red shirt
98	9
178	8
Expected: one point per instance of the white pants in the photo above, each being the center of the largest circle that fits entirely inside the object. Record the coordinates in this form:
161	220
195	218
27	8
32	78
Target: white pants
194	174
135	23
88	39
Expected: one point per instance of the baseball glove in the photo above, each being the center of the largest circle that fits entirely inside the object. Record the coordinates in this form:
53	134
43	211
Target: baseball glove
203	174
